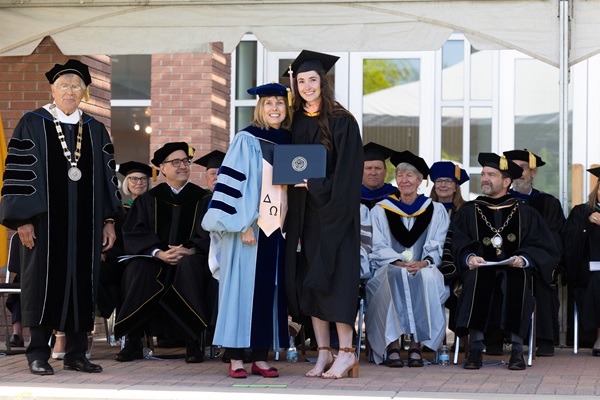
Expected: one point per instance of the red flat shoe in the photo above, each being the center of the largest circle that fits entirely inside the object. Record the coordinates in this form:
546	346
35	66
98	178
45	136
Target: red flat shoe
266	373
239	373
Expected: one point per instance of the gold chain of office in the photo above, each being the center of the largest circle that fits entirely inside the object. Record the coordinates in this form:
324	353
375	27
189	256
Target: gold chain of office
74	172
496	240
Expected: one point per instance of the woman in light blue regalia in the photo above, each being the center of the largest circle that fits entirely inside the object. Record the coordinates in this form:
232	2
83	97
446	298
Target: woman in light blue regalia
406	294
248	212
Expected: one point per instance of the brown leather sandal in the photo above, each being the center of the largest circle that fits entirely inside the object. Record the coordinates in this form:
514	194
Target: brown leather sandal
352	370
309	374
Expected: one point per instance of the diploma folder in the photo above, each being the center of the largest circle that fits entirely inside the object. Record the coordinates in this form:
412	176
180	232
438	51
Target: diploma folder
292	163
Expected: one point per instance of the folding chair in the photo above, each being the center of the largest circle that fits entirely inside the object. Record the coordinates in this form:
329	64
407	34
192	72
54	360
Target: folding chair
7	287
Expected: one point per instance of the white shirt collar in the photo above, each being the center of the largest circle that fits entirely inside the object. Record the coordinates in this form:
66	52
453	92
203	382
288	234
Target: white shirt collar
177	191
64	118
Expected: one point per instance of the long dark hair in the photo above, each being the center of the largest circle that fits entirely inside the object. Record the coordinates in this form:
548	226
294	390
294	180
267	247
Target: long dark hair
593	197
328	104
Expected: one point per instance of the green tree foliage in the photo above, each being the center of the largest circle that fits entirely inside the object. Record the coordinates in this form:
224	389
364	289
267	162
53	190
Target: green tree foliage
381	74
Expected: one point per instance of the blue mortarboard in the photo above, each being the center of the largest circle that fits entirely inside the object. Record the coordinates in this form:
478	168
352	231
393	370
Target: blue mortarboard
414	160
70	67
269	89
501	163
447	169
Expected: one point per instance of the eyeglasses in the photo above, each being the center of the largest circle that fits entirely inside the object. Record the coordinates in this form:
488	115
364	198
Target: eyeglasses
443	181
135	179
65	87
177	162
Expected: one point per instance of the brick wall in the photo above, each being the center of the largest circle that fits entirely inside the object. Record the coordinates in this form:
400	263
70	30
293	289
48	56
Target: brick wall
190	102
24	87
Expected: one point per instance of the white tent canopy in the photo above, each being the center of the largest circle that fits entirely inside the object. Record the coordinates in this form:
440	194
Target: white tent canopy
86	27
558	32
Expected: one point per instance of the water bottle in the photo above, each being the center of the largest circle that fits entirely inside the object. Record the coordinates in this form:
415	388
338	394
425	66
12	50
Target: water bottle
292	353
113	341
443	356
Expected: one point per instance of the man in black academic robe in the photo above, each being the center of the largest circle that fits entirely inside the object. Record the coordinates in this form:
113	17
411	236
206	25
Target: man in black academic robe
163	290
545	292
62	204
493	228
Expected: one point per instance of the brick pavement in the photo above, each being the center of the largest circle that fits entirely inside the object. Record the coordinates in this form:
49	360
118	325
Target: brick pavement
563	375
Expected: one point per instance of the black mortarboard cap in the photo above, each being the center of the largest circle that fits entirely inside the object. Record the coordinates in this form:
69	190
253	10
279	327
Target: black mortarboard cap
309	60
412	159
161	154
527	156
447	169
214	159
376	152
501	163
595	171
129	167
269	89
70	67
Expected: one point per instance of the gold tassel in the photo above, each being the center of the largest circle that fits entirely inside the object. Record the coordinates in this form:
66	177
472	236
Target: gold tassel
457	172
289	96
86	94
503	163
190	151
153	174
532	161
291	74
427	184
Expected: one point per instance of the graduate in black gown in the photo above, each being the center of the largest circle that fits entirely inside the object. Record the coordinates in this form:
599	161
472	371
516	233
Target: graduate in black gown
323	221
496	227
60	194
545	292
581	239
163	290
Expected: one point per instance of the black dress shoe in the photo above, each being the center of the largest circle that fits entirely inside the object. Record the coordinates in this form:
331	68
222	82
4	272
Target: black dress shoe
17	341
517	361
132	351
475	359
82	365
596	352
193	353
40	367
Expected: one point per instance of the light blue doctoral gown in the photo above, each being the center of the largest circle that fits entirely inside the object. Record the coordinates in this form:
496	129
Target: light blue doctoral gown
234	208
